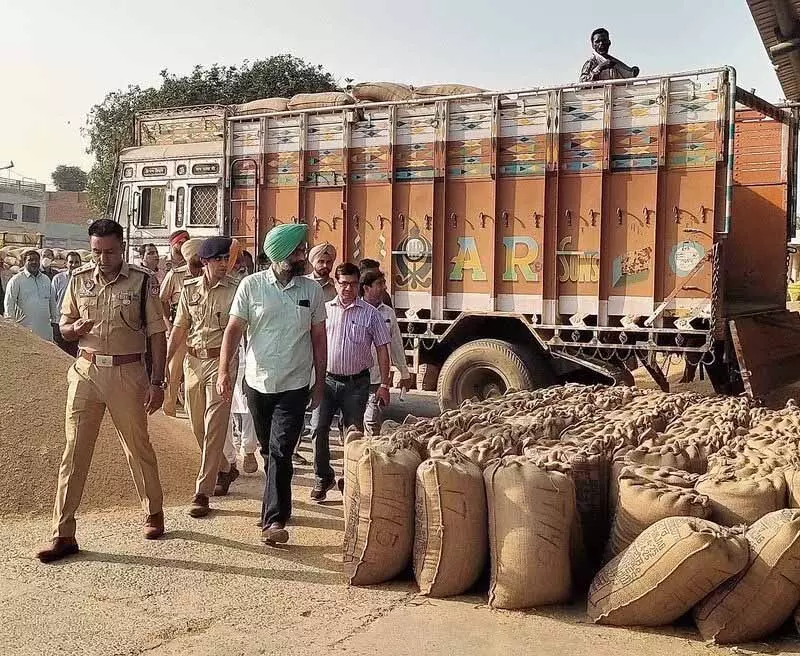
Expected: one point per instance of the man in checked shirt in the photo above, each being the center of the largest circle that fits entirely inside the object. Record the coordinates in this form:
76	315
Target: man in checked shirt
353	328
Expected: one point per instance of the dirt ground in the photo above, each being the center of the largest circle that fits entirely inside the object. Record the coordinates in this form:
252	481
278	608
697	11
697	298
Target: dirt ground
209	588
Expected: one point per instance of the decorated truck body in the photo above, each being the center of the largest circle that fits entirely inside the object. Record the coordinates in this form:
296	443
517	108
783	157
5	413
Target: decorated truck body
527	236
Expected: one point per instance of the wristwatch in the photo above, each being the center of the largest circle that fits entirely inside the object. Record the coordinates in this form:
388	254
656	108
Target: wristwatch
159	383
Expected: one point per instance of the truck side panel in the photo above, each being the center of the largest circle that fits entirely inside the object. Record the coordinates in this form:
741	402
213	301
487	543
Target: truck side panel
755	266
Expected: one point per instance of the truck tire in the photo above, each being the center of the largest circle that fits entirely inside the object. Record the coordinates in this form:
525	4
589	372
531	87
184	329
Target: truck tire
485	367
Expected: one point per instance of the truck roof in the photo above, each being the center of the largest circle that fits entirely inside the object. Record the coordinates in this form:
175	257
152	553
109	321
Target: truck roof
172	151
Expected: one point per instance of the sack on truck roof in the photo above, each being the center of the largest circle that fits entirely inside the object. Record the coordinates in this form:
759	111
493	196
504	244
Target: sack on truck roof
435	90
381	92
261	106
315	100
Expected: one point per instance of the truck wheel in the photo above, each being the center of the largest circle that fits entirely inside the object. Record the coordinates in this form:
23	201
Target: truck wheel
484	368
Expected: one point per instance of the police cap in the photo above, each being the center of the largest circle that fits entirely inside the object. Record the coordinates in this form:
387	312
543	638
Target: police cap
214	247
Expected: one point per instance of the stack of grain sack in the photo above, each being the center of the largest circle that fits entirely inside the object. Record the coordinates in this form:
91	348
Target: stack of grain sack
360	93
665	503
11	257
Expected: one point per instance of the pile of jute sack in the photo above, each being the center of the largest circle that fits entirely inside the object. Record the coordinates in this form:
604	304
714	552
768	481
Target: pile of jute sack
665	503
360	93
11	257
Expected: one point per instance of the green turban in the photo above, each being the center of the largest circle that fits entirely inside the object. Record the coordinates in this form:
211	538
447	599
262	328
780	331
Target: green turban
282	240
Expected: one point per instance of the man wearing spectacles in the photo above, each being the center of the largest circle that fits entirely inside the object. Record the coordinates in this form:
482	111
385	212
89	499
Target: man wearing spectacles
354	327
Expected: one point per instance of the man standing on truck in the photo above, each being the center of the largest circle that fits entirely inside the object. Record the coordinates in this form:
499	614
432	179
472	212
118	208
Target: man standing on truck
110	308
284	315
601	65
30	300
171	288
354	328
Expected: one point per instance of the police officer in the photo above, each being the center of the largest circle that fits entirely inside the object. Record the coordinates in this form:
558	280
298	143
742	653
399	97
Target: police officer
170	293
110	308
200	324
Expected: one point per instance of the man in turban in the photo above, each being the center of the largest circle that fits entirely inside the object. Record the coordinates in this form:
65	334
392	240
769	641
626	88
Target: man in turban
321	258
171	288
284	315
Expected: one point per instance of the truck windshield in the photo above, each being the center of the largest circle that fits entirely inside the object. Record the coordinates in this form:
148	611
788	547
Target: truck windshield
152	206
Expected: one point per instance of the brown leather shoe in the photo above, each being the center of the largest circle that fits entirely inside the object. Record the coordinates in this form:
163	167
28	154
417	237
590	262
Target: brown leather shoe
275	533
224	480
59	548
154	526
199	507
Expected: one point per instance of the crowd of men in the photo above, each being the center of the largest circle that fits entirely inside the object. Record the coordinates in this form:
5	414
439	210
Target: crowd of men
252	350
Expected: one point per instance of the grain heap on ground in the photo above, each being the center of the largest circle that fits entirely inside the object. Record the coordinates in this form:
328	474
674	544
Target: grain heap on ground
32	412
649	493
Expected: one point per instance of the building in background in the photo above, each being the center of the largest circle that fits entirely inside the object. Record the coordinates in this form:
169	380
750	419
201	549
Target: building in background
60	217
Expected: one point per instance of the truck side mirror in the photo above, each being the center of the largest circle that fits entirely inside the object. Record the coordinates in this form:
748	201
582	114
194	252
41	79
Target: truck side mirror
135	208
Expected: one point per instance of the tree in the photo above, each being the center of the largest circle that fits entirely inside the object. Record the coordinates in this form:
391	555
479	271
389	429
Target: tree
109	125
69	178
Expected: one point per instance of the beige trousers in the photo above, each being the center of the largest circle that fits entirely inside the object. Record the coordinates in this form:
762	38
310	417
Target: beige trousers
92	389
209	416
174	378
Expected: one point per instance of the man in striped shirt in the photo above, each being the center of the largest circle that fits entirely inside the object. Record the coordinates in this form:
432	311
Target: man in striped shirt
353	328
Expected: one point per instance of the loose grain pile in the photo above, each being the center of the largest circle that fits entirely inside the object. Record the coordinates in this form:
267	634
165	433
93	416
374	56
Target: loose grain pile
32	410
673	479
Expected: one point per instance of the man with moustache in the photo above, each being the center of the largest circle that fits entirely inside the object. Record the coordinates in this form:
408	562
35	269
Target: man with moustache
284	315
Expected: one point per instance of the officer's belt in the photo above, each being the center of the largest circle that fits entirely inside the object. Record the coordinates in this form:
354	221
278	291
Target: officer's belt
204	354
110	360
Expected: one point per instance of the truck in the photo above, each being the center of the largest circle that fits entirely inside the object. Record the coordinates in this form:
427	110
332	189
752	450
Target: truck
573	232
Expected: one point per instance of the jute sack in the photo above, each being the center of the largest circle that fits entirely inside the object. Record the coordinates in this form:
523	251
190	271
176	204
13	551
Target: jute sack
669	568
379	509
762	597
531	512
315	100
737	500
450	532
381	91
435	90
642	503
262	105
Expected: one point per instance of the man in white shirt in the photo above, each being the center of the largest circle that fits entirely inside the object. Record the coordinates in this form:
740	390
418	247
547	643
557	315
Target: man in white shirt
60	284
30	300
373	290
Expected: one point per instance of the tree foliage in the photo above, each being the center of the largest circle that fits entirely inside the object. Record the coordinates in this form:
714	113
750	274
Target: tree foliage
109	125
69	178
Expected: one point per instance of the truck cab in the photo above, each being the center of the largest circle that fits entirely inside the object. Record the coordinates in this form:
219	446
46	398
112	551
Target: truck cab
174	177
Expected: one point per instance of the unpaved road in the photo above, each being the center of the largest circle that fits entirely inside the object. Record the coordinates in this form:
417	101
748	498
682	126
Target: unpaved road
210	588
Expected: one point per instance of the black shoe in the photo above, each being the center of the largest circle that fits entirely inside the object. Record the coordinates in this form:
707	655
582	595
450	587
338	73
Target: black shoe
320	490
340	485
297	459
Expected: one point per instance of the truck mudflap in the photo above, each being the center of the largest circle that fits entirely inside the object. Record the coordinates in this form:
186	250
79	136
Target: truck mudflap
767	349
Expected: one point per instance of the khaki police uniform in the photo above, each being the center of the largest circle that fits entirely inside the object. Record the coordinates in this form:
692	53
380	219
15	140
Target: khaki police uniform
170	293
109	373
203	312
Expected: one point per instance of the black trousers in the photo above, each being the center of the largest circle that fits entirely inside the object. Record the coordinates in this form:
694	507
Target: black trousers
278	420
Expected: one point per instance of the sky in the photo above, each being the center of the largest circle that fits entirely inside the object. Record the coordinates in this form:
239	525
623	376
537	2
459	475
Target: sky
59	58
